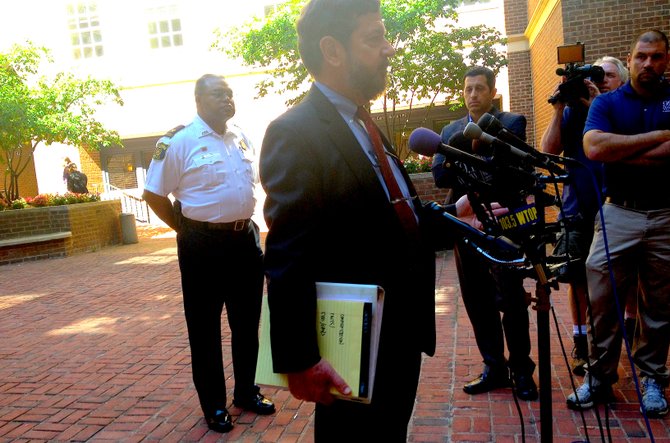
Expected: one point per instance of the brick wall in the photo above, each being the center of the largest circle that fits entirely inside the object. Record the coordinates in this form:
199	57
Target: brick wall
92	167
521	89
520	84
27	180
543	65
516	16
606	27
33	221
93	226
425	186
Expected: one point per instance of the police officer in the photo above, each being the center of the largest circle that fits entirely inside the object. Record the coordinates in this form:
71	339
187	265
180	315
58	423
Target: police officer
209	167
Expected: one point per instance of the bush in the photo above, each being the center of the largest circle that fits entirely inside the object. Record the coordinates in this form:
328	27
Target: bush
417	163
43	200
18	204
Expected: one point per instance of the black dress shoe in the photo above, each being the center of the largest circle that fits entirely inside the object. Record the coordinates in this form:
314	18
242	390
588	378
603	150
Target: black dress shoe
525	387
255	402
487	381
219	421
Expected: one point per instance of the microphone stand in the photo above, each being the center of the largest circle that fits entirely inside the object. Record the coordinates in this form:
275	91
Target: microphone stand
534	249
542	305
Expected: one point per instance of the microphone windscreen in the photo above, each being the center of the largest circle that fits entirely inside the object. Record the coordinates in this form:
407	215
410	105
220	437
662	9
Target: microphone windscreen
472	131
458	140
423	141
488	123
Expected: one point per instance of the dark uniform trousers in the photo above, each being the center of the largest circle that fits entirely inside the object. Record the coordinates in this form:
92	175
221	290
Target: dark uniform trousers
484	297
221	267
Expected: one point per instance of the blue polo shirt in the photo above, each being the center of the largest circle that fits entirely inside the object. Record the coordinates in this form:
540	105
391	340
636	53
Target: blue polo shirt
624	112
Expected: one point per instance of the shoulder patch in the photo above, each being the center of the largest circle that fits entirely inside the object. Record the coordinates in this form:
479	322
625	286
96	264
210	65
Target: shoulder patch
161	149
164	142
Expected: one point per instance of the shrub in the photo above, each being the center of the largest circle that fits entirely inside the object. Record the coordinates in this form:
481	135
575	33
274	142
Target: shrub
43	200
417	163
39	200
18	204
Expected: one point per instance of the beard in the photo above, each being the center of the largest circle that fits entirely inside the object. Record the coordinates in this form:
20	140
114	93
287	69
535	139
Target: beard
370	83
648	79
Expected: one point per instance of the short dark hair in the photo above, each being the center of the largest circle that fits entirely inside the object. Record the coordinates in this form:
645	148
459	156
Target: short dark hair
650	36
486	72
335	18
200	83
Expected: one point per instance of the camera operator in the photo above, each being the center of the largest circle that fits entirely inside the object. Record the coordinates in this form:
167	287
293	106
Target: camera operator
486	288
580	197
629	131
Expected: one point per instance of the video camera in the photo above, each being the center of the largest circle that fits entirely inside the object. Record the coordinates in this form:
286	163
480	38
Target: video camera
575	72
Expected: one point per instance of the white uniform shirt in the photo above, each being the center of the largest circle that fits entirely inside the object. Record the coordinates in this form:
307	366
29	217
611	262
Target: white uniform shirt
213	176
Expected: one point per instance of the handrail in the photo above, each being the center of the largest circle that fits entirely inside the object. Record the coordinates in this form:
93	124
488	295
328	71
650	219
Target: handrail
129	203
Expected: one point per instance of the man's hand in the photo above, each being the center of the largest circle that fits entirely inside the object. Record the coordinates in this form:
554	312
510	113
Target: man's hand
558	105
466	213
593	93
314	384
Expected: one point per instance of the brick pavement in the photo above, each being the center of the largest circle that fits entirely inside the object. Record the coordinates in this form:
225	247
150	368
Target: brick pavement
94	348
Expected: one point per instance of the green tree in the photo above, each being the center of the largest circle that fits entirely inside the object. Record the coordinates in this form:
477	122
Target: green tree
38	108
432	55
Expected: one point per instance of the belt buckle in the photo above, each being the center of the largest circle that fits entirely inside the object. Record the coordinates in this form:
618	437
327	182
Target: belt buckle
239	225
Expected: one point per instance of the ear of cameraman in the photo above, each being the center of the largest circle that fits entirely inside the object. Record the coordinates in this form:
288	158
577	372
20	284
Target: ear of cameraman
564	135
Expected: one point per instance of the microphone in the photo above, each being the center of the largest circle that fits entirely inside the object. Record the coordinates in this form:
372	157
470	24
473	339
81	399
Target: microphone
501	243
474	132
425	142
493	126
488	123
527	155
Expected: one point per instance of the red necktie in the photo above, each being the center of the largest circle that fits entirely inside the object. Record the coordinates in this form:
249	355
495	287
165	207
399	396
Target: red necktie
400	203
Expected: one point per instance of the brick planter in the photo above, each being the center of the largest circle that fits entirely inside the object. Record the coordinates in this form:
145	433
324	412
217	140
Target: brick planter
425	187
58	231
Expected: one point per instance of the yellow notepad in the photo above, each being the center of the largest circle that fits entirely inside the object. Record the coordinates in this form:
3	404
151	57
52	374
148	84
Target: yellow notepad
348	322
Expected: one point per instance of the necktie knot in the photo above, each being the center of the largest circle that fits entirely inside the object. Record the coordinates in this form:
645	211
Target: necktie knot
363	114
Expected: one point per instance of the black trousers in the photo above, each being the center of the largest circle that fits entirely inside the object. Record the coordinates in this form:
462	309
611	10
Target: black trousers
221	268
487	290
386	418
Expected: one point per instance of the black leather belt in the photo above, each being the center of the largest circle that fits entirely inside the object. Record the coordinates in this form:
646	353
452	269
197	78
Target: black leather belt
637	204
237	225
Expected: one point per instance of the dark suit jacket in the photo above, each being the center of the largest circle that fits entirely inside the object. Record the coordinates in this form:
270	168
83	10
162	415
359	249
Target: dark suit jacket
452	135
329	220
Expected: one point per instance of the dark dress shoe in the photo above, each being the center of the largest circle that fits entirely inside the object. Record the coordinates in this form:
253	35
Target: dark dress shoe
255	402
219	421
487	381
525	387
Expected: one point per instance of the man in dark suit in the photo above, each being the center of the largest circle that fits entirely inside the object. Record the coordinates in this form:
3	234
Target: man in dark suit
487	289
330	219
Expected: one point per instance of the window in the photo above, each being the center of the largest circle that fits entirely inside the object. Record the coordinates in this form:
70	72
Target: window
271	8
164	27
473	2
85	33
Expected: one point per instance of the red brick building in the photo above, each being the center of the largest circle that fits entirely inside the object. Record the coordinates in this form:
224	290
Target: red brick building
536	27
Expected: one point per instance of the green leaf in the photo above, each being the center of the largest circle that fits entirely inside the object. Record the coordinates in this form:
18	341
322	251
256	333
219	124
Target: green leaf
36	108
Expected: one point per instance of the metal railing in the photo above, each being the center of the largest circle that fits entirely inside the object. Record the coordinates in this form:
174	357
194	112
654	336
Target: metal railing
129	203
